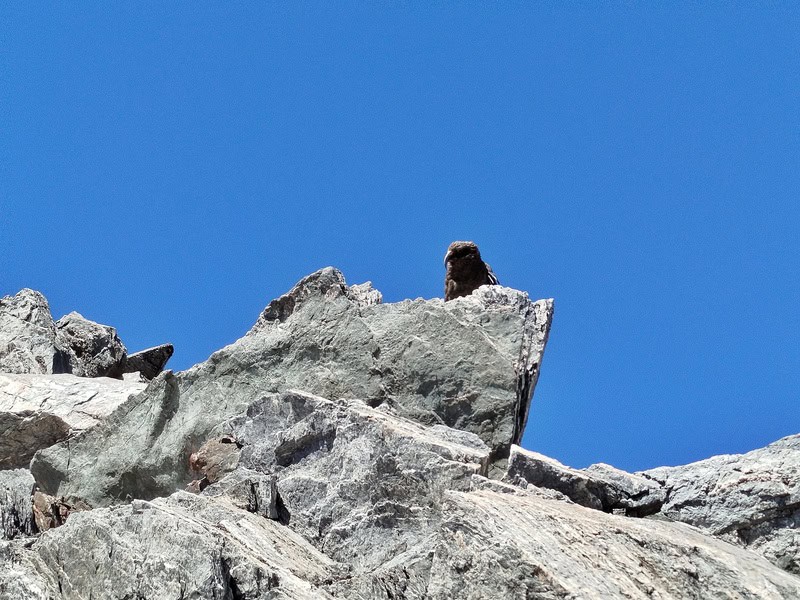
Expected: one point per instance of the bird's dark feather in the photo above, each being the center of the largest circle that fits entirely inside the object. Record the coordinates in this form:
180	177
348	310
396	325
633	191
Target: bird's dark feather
466	272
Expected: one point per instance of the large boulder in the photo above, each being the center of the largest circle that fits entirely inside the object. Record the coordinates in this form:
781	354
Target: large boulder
95	350
752	499
28	338
470	364
36	411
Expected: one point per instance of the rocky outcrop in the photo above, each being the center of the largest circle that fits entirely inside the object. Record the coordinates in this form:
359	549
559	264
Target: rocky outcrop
599	486
37	411
95	350
31	342
184	546
497	545
470	364
28	340
484	544
752	499
346	448
149	362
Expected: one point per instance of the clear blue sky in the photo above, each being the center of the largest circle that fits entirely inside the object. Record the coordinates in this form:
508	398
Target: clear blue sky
170	170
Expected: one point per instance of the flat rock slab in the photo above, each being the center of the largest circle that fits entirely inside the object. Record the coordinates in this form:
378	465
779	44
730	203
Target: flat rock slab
37	411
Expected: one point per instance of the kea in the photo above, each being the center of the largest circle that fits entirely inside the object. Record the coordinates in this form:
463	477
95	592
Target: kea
466	271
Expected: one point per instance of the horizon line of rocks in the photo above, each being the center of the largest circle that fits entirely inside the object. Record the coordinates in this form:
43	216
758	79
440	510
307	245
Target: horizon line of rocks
73	344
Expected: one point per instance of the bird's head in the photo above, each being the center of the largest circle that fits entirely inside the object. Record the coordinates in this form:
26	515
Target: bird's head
459	250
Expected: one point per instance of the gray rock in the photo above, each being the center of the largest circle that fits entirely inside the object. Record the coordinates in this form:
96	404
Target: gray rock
149	362
36	411
16	507
360	483
185	546
752	499
599	486
523	546
28	342
486	545
249	490
470	364
95	350
20	576
364	294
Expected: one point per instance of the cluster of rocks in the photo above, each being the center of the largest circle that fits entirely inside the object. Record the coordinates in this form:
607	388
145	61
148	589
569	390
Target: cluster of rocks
347	448
32	342
58	378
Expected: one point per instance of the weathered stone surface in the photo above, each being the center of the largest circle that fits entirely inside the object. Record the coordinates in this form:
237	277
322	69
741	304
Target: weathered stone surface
249	490
378	491
470	364
16	508
36	411
360	483
28	342
20	578
364	294
496	545
149	362
215	459
748	499
599	486
95	350
184	546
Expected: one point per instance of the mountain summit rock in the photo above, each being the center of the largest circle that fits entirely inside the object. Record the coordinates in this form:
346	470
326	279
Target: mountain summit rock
350	448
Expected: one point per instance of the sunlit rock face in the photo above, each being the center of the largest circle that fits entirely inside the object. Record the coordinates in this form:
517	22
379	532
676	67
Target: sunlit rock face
28	338
347	448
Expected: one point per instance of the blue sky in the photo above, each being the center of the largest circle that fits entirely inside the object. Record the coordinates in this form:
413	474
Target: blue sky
170	169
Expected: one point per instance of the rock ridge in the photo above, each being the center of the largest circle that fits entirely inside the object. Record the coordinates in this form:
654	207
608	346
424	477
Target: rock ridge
347	448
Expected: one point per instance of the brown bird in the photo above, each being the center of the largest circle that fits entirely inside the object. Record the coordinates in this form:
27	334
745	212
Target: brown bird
466	271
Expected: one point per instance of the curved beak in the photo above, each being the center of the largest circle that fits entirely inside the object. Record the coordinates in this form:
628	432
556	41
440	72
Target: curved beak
446	257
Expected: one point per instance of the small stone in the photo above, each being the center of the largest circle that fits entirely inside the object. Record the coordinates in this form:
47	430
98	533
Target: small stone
50	512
